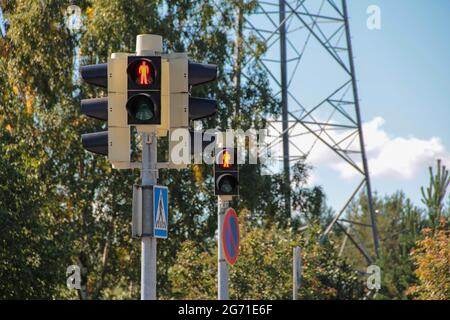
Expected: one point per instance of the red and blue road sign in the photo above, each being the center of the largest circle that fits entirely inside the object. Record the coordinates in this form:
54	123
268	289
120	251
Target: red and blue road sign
230	236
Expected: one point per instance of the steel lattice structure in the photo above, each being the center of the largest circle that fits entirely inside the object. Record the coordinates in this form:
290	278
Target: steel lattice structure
320	104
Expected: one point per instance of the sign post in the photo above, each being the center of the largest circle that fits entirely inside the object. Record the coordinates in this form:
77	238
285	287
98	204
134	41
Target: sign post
228	243
223	204
148	259
297	272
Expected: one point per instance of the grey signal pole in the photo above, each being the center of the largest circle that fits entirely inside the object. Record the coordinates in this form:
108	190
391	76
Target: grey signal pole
223	203
297	272
148	45
148	249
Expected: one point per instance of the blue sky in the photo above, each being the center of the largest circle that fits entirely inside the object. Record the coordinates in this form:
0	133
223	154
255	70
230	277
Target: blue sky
403	73
404	68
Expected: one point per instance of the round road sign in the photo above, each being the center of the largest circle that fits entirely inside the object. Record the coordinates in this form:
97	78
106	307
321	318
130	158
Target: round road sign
230	236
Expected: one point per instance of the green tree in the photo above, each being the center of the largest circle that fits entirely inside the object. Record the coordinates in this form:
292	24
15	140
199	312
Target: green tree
264	267
434	196
76	196
35	248
432	260
399	225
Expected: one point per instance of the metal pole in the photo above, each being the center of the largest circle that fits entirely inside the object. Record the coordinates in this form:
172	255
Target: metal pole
284	107
297	272
147	44
238	56
361	136
358	246
148	261
222	293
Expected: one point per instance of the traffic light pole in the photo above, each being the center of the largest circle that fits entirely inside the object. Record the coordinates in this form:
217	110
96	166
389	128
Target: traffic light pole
148	249
297	272
223	203
154	104
148	44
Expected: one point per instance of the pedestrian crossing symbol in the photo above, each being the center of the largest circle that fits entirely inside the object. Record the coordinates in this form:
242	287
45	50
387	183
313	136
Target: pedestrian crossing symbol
160	212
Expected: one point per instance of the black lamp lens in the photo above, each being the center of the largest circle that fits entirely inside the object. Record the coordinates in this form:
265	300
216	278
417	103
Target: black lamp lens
227	184
143	108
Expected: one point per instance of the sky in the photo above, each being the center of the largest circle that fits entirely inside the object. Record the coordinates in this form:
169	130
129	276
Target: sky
403	73
403	79
2	23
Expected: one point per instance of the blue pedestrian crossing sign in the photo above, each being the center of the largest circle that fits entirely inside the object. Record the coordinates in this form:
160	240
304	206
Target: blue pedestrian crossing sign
160	212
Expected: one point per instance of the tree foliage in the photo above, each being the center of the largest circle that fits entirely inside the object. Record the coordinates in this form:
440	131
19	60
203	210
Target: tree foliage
434	196
432	260
77	209
264	267
402	227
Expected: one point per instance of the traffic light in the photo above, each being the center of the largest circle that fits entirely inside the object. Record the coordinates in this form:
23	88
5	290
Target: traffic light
179	77
201	108
226	173
147	90
116	141
198	74
96	75
144	90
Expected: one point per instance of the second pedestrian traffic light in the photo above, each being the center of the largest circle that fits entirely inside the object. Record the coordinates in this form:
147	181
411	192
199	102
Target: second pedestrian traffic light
144	90
226	173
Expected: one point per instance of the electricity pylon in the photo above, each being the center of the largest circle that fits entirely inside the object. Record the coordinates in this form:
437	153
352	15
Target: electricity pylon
309	59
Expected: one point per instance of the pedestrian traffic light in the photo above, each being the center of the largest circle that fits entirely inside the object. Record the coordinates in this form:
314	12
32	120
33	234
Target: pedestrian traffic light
226	172
148	90
144	90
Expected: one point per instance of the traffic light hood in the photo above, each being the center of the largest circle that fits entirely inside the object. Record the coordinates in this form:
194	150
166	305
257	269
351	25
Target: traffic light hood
200	73
96	74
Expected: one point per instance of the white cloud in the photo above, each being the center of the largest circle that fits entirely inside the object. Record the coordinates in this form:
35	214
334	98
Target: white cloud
402	157
388	156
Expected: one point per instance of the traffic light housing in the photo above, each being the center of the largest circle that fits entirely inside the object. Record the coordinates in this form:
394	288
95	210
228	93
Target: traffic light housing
149	90
182	75
179	77
226	172
199	74
96	75
96	142
144	90
116	141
